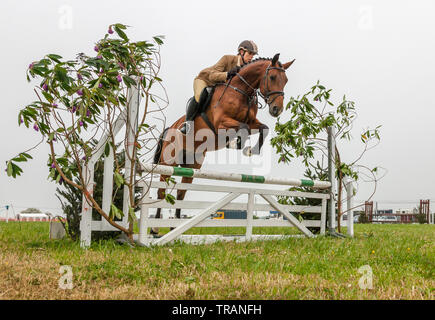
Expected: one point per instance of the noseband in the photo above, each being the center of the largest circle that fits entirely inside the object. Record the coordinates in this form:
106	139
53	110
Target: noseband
268	93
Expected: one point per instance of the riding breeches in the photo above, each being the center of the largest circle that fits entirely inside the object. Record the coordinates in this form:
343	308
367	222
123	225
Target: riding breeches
198	86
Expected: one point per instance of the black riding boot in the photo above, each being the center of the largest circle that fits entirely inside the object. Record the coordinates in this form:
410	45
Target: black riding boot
191	110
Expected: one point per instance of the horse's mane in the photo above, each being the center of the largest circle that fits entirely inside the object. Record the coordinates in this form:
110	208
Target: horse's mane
257	60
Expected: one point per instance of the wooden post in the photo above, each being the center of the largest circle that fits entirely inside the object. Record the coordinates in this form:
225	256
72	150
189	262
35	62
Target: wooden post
323	217
107	187
131	129
250	214
331	175
143	220
349	193
86	216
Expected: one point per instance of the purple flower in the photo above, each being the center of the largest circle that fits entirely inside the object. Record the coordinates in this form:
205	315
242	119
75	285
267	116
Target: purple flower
96	48
100	85
45	87
99	57
79	76
101	70
110	30
88	113
60	180
84	158
81	123
35	126
54	139
74	108
31	66
54	105
119	78
80	92
21	120
52	165
141	78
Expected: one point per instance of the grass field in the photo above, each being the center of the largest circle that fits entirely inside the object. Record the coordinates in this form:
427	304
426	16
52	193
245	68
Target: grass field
402	258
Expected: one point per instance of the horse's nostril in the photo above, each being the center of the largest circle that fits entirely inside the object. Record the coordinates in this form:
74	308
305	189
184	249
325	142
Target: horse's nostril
275	110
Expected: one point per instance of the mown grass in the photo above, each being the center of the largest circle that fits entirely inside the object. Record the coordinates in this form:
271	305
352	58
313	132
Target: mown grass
402	258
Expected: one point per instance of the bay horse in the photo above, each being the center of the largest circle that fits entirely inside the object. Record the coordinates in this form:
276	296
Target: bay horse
233	106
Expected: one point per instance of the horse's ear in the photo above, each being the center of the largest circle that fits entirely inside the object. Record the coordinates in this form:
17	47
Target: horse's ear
275	59
288	64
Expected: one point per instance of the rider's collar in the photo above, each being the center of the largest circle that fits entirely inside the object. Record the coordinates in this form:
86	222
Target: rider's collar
239	60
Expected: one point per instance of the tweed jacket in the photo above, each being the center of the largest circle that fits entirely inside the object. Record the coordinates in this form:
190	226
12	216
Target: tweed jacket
218	72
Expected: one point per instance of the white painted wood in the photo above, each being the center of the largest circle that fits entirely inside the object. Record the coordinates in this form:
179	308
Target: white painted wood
213	188
107	186
194	221
249	215
131	129
349	194
117	126
227	223
236	177
212	238
288	215
186	204
143	221
331	176
323	218
86	215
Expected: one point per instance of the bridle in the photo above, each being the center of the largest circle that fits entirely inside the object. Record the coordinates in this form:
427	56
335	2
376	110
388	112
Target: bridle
252	97
266	96
268	93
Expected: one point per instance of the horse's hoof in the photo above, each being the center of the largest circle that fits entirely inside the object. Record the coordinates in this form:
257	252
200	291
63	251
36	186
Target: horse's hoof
247	151
233	144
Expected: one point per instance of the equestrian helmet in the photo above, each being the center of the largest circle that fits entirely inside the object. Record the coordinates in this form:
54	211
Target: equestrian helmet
248	45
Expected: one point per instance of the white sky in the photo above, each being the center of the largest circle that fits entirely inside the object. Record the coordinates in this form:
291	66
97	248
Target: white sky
379	53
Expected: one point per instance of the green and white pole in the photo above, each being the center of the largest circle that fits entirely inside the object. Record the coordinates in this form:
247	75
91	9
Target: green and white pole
237	177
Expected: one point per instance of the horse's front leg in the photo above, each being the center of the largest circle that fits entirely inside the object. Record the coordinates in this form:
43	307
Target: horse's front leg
264	131
235	139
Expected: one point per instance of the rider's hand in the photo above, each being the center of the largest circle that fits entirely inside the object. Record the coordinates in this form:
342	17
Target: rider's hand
232	72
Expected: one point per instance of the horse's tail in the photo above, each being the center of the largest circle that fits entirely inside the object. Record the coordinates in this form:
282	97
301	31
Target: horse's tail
158	153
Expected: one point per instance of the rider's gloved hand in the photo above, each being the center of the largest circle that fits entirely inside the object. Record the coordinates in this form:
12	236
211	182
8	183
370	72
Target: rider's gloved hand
232	72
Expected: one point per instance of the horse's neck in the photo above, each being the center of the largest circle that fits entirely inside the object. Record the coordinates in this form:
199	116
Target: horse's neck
252	74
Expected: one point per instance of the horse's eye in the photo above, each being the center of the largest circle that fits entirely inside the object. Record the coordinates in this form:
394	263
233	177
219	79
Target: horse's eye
272	78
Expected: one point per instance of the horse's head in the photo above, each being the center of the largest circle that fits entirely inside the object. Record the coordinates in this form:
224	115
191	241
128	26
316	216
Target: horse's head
272	85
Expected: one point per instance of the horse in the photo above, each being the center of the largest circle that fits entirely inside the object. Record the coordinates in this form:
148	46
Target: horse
232	106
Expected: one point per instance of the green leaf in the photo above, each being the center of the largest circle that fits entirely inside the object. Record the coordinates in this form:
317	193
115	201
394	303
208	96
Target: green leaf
131	214
119	180
54	57
120	33
107	149
158	39
9	171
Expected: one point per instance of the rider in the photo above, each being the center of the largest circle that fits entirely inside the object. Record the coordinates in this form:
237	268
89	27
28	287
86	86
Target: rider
223	70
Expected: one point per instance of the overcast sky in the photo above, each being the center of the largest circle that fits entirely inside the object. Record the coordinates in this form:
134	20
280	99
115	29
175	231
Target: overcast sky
379	53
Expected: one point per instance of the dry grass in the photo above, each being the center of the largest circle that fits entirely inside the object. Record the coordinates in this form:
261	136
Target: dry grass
402	259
